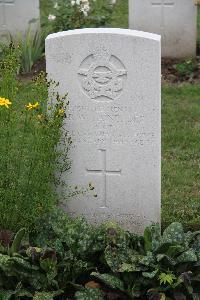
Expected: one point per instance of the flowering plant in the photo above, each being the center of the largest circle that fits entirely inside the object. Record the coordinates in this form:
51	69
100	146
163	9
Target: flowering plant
5	102
74	14
28	154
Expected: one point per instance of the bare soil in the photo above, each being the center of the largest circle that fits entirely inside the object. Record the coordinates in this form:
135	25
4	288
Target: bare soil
171	75
38	67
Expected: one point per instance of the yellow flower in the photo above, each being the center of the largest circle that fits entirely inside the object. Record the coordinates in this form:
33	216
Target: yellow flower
5	102
32	106
61	112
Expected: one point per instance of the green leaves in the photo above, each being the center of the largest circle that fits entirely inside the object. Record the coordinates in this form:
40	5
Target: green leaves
187	256
110	280
124	263
6	295
4	261
150	274
46	295
50	267
29	156
174	234
68	17
89	294
17	241
18	293
148	239
167	278
164	258
186	68
152	236
31	46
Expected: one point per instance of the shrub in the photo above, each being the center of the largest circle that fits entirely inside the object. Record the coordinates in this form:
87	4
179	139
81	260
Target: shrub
67	14
28	153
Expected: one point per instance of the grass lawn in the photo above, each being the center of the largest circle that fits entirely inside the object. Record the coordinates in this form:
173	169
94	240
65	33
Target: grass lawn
181	154
180	141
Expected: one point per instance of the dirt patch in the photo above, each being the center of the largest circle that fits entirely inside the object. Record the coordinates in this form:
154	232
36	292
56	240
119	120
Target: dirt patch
38	67
178	71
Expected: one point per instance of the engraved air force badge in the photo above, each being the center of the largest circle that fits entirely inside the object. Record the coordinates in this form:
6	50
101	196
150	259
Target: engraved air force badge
102	76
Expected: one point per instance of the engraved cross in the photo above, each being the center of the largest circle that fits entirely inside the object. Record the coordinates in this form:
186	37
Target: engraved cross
3	3
104	172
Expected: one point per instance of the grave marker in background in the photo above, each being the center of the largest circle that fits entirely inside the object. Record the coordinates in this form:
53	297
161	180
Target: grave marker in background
174	20
17	15
113	80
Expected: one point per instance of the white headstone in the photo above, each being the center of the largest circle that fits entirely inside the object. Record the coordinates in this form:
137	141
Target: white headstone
113	80
174	20
16	16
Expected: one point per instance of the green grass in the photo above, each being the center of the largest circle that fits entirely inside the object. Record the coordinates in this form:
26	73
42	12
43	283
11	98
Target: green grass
181	154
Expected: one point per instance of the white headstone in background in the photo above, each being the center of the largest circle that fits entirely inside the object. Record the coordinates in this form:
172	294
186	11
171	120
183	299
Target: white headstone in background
17	15
113	80
174	20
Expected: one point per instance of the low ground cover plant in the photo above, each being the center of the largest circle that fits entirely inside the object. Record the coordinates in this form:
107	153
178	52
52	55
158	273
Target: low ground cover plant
187	68
70	258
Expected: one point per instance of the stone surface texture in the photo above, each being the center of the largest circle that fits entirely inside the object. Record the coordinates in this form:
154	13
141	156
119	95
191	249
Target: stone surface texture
174	20
113	80
16	15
